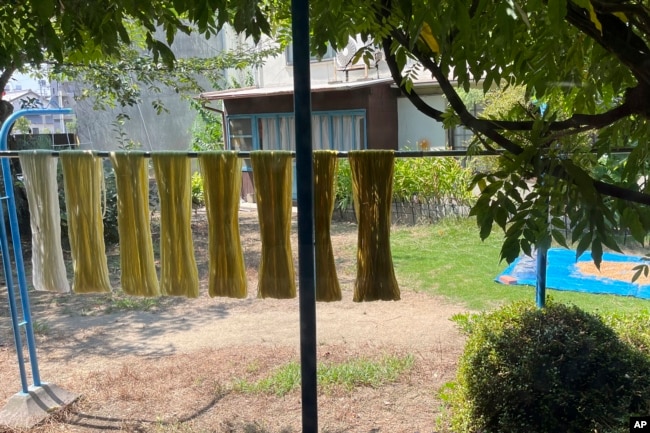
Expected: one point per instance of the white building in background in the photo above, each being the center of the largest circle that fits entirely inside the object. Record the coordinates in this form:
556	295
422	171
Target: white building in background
25	91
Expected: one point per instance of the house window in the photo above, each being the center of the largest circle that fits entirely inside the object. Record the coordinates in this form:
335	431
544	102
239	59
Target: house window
460	137
329	55
337	130
240	137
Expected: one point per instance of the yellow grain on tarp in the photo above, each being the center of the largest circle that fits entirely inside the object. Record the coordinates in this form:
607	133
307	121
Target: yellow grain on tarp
372	187
48	266
137	266
327	282
222	187
179	275
272	177
83	178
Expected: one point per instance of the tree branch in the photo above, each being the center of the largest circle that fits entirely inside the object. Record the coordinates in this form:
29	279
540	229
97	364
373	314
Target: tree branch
490	129
578	121
5	77
411	94
616	38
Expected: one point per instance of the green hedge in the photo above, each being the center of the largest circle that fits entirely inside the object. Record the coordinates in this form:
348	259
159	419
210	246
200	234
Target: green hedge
557	369
415	179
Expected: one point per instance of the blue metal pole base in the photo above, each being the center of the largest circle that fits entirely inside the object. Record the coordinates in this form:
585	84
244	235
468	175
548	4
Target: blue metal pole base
27	409
18	254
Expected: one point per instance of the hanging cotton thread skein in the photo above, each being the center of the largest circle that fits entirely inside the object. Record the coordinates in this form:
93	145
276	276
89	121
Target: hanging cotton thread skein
372	188
272	176
221	173
179	275
48	266
83	177
137	266
327	282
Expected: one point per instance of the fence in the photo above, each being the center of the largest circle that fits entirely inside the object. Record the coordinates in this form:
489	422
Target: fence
411	212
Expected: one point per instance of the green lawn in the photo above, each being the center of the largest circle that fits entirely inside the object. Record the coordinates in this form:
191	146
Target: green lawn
450	259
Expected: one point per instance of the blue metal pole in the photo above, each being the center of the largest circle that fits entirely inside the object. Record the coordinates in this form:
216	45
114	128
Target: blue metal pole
15	237
305	195
13	309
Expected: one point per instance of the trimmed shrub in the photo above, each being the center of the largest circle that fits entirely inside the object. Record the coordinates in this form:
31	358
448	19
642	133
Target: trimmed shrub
557	369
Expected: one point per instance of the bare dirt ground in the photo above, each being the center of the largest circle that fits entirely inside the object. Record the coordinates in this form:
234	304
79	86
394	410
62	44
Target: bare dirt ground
170	364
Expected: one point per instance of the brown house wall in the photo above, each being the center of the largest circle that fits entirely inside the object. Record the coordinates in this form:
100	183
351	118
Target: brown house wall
380	103
382	118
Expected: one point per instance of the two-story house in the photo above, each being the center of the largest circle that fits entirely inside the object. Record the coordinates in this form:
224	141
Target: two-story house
353	107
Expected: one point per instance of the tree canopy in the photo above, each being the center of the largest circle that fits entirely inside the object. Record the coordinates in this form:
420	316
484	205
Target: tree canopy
121	50
585	69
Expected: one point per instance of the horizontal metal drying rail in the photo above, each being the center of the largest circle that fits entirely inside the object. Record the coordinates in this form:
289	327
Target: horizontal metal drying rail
247	154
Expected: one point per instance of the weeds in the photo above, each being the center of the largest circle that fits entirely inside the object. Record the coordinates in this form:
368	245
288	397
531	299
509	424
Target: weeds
347	375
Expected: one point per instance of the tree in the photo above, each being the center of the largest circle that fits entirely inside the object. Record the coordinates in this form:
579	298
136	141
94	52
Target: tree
78	37
585	68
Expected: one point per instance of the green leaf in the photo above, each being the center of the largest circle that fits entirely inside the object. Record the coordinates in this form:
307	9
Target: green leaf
597	252
584	243
486	227
630	219
510	250
559	238
558	223
643	269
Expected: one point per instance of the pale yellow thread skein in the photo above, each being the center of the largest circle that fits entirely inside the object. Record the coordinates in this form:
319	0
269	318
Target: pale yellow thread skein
48	265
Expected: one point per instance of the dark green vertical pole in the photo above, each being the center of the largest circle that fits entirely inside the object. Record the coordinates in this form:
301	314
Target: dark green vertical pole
305	194
540	289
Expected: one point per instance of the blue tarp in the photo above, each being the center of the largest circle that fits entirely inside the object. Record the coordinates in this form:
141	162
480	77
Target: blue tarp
562	273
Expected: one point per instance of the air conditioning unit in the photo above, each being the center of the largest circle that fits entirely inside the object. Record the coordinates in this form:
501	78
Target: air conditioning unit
344	58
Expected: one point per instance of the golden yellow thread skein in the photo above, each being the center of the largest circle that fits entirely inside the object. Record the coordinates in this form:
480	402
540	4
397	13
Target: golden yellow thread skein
138	269
372	187
179	275
272	176
83	177
48	266
221	173
327	283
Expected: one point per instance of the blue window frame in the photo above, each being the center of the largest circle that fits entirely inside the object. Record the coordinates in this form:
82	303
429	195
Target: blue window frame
338	130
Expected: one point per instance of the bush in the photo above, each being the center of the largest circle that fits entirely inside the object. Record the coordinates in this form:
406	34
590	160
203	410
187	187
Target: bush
109	206
423	179
198	199
557	369
431	179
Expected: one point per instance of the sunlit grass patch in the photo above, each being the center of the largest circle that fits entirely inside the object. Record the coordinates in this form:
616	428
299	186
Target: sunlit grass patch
347	375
